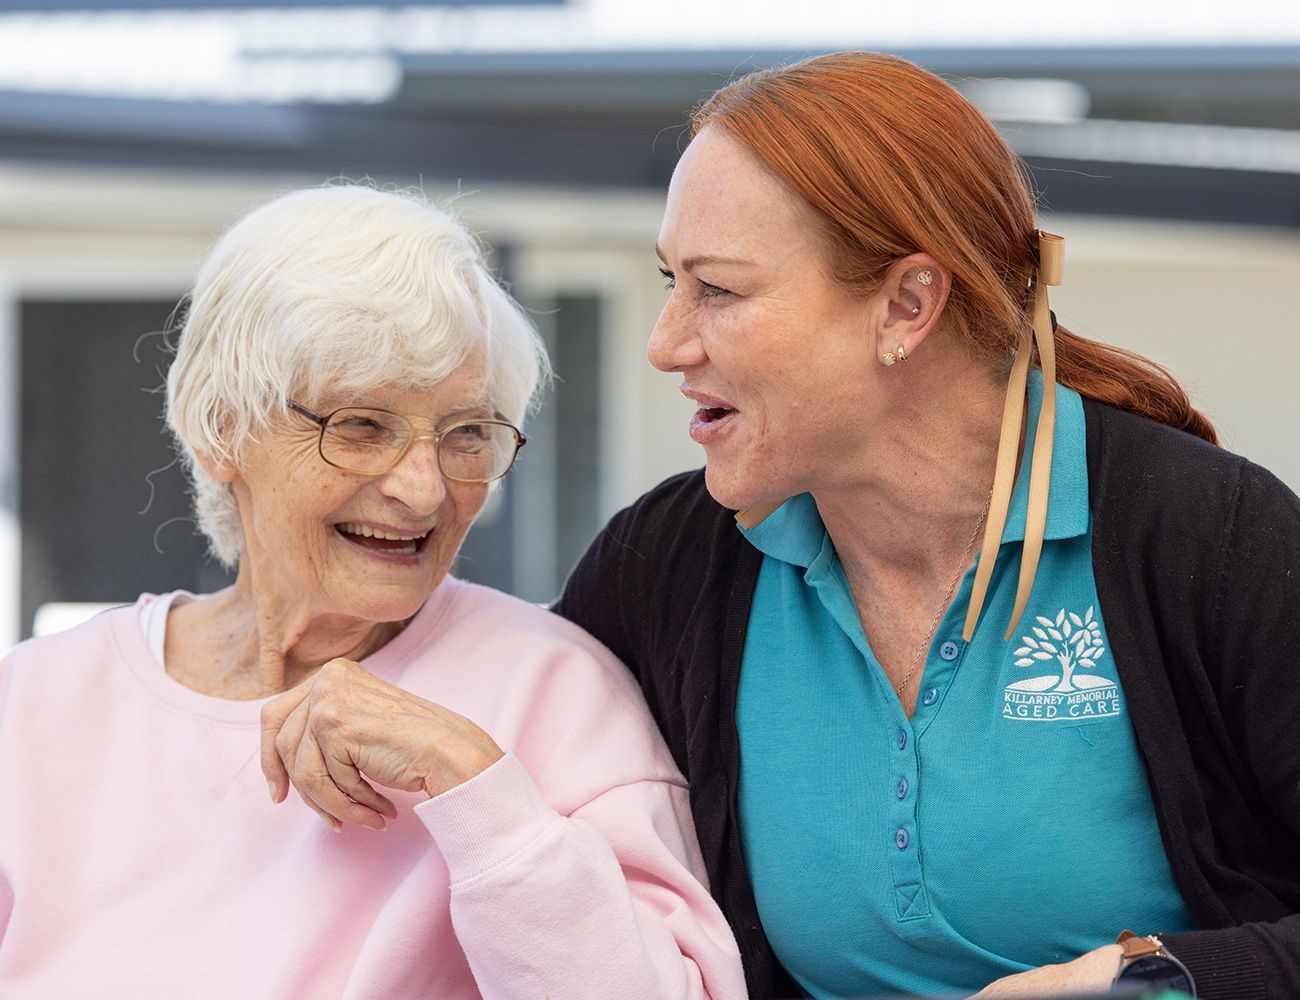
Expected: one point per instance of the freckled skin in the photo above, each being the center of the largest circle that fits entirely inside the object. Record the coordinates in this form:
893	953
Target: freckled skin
787	346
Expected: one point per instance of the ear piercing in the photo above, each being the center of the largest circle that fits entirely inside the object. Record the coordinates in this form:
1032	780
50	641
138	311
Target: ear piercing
893	357
899	353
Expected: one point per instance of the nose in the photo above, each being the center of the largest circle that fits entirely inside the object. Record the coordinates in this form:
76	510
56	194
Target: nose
416	481
674	343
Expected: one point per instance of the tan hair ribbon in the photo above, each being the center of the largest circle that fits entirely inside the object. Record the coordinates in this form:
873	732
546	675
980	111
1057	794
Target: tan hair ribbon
1051	261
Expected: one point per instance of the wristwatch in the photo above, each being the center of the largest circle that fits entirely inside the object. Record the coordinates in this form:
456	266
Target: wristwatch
1147	963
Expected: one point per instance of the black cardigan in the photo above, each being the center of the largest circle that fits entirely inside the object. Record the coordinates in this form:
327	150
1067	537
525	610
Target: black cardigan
1196	556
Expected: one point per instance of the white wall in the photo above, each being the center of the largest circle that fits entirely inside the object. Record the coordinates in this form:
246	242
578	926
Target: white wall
1217	305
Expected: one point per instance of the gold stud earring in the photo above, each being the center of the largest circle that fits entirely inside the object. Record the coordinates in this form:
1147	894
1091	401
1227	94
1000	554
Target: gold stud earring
924	277
894	356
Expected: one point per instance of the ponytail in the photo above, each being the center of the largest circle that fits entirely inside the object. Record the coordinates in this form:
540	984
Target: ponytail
1128	381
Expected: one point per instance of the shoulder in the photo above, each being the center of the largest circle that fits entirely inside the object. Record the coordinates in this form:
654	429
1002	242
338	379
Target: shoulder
1142	469
545	689
480	613
673	553
66	664
1187	530
674	526
65	648
680	504
1126	444
520	653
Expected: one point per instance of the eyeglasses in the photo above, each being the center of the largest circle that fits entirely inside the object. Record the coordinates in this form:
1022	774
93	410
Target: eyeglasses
371	442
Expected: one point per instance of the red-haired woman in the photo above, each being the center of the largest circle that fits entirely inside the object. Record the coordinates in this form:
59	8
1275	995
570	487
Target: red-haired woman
1000	659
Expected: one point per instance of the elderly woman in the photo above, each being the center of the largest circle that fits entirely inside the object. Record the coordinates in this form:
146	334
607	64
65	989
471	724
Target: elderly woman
486	808
913	770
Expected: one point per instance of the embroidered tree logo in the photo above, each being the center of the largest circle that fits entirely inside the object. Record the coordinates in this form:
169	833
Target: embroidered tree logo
1071	641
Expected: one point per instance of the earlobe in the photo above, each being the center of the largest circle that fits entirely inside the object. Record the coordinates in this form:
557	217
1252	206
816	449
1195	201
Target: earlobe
915	290
223	470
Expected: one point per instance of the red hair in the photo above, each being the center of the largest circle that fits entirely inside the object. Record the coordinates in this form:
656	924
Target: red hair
898	162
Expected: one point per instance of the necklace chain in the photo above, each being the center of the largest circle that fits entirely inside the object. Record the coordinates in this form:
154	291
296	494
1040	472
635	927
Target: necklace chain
901	686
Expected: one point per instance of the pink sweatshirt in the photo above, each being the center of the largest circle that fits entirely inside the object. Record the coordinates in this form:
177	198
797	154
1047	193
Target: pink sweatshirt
141	856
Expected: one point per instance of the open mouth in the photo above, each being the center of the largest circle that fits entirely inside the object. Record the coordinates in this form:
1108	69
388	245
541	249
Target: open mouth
379	540
711	414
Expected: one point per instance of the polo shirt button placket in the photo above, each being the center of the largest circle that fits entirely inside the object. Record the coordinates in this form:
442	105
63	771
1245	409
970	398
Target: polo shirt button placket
903	811
948	652
910	898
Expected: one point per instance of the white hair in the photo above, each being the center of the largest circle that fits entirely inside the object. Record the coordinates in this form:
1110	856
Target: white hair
340	289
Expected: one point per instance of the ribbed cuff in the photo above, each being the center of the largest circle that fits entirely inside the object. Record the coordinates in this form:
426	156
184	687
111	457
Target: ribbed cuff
488	819
1223	963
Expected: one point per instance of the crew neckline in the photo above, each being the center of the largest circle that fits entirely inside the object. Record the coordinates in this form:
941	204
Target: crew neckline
134	650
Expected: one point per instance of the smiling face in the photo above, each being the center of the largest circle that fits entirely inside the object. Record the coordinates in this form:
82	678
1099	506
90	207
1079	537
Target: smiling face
776	352
364	547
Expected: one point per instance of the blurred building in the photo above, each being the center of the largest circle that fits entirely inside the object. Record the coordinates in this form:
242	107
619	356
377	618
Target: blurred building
1168	155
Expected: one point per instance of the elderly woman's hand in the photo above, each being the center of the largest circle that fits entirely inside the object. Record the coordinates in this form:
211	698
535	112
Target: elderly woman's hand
343	728
1092	972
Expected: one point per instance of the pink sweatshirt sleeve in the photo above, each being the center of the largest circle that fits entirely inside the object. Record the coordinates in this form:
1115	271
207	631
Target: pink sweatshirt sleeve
6	888
605	902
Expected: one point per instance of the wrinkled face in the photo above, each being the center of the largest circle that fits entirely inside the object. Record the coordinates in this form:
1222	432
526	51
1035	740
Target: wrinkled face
773	350
365	547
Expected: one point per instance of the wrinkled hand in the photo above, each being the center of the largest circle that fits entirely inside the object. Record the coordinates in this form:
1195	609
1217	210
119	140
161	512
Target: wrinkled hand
343	728
1091	972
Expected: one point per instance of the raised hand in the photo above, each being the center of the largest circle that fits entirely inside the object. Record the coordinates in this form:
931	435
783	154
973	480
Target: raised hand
343	730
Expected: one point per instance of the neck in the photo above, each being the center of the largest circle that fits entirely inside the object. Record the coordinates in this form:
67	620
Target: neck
246	643
908	503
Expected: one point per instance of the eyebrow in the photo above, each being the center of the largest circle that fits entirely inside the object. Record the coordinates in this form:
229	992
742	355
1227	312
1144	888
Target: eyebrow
471	411
690	263
480	403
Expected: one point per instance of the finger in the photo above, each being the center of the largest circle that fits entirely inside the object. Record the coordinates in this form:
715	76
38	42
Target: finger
331	821
275	713
354	786
311	776
288	745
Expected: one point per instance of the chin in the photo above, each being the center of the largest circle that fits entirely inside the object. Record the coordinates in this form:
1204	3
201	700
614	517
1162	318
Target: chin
736	491
392	604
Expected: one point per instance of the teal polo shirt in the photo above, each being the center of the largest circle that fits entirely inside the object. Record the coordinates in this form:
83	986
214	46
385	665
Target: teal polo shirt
1008	824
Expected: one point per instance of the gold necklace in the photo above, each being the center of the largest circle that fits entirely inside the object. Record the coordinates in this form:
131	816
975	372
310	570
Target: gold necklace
901	686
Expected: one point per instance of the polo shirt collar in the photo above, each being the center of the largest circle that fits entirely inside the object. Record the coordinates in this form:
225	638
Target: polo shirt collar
1067	499
794	533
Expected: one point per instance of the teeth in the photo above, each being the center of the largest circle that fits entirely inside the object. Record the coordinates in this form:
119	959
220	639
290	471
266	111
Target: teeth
365	531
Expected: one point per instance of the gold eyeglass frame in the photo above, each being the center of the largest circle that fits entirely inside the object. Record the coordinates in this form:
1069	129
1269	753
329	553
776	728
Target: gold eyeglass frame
436	437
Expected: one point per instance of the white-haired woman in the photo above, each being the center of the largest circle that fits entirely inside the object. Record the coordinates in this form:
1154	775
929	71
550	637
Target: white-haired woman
486	807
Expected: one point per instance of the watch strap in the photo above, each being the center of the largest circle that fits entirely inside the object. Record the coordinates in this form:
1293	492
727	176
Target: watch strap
1145	956
1139	946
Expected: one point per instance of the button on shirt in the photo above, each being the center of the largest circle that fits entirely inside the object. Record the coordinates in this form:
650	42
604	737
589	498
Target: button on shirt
1008	824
